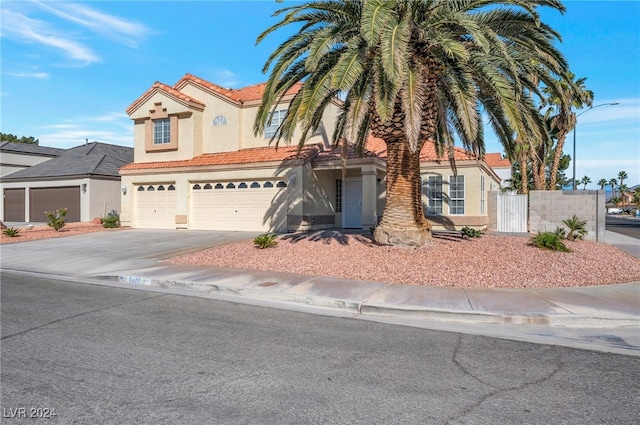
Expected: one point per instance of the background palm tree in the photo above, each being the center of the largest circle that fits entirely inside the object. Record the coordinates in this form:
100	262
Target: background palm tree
568	95
412	72
613	183
602	183
585	181
622	176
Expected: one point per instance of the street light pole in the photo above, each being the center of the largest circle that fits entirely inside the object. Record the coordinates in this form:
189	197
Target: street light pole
575	124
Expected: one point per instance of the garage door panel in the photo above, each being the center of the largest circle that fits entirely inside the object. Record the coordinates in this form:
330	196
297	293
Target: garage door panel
14	203
155	209
234	208
43	199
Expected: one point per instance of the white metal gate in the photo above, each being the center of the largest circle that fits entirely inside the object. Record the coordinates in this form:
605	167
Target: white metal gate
512	213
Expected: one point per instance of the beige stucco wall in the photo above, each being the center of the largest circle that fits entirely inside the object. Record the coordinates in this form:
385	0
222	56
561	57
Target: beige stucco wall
182	181
189	130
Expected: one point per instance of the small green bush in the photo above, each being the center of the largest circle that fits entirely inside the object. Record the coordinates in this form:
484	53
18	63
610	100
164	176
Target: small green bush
12	232
56	219
267	240
111	220
548	240
561	232
470	232
577	228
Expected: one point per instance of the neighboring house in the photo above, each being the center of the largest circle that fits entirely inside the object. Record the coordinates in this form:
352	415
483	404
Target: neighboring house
18	156
83	179
198	165
501	166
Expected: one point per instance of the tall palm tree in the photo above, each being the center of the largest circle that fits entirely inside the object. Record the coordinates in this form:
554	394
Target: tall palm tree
585	181
622	176
412	72
571	94
602	183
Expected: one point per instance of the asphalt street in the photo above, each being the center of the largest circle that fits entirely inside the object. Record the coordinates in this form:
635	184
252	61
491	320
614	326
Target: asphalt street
94	354
624	224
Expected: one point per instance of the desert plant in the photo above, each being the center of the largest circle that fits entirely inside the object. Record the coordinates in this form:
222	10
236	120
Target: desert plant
111	220
548	240
267	240
56	219
577	228
12	232
561	232
471	232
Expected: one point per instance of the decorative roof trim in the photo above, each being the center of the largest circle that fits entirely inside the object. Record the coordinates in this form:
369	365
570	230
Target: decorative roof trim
168	91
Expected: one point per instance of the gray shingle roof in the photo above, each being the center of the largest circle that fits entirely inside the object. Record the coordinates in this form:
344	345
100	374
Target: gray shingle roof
29	148
92	159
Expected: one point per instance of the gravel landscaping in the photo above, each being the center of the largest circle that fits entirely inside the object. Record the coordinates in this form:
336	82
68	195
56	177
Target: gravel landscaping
491	261
488	262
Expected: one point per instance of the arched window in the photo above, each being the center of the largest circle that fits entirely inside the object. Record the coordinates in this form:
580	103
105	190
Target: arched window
281	184
150	189
242	185
161	187
171	187
207	186
267	184
219	120
231	186
219	186
196	187
140	188
255	185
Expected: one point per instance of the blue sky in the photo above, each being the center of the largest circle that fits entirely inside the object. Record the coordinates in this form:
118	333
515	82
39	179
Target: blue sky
70	69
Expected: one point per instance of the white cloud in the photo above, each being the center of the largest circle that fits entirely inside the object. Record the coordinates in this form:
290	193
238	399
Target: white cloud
115	28
27	30
113	127
37	75
225	78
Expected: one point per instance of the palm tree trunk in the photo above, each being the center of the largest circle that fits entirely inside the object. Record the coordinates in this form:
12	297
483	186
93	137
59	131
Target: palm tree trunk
524	176
403	222
557	155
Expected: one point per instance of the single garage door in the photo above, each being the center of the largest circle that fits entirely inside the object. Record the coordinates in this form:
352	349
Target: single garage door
14	204
43	199
155	206
248	206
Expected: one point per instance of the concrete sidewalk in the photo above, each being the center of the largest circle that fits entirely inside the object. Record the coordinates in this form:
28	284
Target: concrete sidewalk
601	317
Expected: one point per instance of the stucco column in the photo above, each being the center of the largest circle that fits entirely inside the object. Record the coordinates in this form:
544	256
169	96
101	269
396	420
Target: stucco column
369	197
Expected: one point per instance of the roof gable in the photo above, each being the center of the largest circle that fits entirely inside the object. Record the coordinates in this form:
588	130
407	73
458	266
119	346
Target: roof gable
29	149
168	91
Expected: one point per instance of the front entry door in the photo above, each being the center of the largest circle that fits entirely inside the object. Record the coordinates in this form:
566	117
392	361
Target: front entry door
352	204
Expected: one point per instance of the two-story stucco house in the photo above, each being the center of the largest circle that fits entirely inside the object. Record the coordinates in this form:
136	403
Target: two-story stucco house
198	165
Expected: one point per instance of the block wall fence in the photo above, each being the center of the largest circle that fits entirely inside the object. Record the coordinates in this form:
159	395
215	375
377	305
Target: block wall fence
548	208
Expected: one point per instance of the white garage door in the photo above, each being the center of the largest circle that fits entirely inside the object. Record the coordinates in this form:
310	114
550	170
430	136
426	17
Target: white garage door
251	206
155	206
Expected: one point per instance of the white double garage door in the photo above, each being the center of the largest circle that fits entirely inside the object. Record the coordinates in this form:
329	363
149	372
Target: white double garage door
242	206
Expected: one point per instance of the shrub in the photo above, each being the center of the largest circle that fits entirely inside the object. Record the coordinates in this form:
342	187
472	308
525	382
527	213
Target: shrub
111	220
56	219
561	232
267	240
471	232
548	240
12	232
577	228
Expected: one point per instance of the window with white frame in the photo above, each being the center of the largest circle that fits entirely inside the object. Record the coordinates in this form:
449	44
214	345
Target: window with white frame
456	195
219	120
161	133
434	195
272	126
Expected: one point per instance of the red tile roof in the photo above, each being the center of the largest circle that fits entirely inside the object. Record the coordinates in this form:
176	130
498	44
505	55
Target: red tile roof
243	156
168	90
495	160
241	95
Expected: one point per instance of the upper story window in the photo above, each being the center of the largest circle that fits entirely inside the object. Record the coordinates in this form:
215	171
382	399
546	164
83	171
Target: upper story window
272	127
161	131
219	120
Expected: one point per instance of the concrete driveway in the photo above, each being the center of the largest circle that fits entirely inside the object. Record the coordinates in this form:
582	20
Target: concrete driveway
107	253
